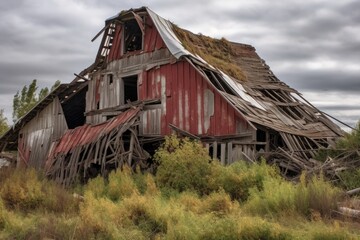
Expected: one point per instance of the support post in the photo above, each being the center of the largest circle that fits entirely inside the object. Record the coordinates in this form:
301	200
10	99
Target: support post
223	153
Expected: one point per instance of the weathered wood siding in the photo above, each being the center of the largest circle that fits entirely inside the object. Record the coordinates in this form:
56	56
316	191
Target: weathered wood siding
36	136
188	101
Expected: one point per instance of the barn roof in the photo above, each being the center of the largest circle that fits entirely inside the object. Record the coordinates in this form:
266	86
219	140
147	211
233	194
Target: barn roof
64	92
244	79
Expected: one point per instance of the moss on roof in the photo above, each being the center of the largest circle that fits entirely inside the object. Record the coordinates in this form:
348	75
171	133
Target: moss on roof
217	52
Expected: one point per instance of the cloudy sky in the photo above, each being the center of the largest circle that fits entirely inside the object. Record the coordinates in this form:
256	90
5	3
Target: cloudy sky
313	46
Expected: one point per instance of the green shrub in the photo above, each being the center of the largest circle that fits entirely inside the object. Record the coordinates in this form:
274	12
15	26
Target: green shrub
332	235
323	197
190	201
146	213
316	195
254	229
2	214
48	227
184	166
23	190
218	203
350	179
58	199
223	228
121	184
99	216
351	140
277	196
96	186
238	178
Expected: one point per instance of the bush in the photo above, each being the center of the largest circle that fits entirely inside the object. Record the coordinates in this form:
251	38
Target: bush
23	190
316	195
323	197
145	213
121	184
218	203
351	140
96	186
184	165
277	196
238	178
307	198
99	216
350	179
253	229
332	235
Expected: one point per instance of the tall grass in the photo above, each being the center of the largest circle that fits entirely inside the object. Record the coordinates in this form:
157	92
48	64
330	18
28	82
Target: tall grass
308	198
234	202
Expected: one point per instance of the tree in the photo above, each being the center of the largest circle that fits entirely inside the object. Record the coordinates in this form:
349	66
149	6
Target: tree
3	123
25	100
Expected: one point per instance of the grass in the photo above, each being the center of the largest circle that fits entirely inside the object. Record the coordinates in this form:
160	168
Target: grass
217	52
233	202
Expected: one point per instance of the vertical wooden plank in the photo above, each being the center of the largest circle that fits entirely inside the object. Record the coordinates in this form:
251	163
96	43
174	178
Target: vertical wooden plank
132	140
192	100
267	146
215	149
159	42
216	124
207	146
229	153
223	154
180	96
187	96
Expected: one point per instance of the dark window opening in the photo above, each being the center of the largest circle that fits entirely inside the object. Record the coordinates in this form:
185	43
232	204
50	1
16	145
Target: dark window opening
130	89
74	109
260	137
275	141
110	79
218	151
132	36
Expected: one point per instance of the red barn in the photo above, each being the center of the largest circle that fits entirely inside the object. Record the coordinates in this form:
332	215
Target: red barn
151	78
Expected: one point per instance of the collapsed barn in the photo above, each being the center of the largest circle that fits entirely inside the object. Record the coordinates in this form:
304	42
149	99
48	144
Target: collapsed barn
151	78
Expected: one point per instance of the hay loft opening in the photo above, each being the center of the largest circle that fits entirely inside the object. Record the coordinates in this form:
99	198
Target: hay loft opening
133	36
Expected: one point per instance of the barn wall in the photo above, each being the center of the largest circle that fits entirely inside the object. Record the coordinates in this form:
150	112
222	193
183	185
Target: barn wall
188	101
107	92
151	41
36	136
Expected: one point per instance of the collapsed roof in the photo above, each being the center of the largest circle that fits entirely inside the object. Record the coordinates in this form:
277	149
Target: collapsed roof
243	78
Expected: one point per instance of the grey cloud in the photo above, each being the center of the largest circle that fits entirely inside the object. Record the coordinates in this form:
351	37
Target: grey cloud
50	40
323	80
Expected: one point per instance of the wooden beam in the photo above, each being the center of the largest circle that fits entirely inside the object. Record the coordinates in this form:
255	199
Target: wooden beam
215	149
229	153
223	153
183	132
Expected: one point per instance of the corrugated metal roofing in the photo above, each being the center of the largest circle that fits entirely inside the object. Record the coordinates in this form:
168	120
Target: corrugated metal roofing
88	133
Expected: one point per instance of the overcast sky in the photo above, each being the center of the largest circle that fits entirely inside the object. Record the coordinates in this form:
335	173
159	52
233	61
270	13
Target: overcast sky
313	46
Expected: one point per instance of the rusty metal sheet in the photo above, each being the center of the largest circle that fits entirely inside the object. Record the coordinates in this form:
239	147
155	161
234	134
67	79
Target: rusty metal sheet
86	134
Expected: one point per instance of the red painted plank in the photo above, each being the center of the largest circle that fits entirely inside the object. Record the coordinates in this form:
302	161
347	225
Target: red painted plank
193	101
179	100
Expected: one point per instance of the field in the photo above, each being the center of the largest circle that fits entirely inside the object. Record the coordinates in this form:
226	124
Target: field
190	197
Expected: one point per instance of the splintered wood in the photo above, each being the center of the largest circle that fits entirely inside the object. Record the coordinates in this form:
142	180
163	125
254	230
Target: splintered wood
96	150
331	167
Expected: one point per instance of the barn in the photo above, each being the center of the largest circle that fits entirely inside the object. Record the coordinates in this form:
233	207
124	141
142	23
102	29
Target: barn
150	78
